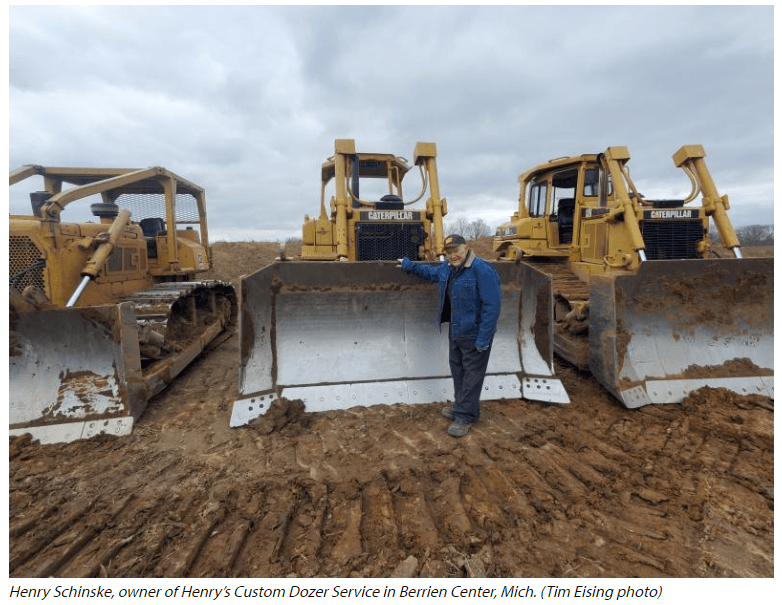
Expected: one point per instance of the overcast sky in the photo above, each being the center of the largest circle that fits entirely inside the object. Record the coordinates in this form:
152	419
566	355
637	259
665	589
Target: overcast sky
247	101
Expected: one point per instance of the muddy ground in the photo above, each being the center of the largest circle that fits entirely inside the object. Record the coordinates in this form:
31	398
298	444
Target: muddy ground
590	489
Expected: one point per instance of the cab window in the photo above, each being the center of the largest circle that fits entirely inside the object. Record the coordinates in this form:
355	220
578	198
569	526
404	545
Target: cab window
563	188
591	182
537	199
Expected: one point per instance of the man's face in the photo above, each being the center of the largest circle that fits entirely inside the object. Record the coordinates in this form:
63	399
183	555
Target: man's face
456	255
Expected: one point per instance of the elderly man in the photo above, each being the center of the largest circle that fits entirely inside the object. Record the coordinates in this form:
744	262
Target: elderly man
470	302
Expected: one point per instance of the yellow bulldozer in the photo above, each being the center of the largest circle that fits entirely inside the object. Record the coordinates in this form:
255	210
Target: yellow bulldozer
387	228
640	300
360	332
105	313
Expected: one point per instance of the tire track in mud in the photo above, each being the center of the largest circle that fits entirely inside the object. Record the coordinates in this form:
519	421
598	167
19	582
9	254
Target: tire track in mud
589	489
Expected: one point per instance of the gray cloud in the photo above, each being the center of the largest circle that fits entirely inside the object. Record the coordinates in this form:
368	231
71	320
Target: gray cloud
247	101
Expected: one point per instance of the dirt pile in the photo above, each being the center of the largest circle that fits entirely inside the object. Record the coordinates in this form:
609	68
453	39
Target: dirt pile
590	489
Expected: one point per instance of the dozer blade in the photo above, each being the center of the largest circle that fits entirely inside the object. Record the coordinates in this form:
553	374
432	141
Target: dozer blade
677	326
339	335
74	373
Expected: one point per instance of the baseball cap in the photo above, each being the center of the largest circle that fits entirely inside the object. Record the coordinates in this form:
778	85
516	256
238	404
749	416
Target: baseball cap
454	240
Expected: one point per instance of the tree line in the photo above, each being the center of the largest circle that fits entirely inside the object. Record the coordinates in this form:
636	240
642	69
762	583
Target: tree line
749	235
469	230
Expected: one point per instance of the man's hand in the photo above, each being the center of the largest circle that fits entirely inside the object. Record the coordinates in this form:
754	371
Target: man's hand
399	263
480	349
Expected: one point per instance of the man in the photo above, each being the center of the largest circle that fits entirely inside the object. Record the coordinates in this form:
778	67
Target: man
470	299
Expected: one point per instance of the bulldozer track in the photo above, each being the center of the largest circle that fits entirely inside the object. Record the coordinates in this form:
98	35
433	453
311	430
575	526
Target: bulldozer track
569	292
591	489
195	304
565	283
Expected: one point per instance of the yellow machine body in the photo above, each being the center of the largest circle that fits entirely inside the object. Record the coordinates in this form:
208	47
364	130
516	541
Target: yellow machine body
105	313
352	228
640	300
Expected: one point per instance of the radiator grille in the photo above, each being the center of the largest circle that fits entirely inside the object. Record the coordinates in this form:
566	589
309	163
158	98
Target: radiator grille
387	241
26	264
670	240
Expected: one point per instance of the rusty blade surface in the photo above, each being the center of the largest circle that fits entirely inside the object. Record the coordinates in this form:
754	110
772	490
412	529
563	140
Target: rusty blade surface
677	326
70	371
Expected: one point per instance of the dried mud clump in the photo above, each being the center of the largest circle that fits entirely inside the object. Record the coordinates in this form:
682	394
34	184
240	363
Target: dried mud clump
282	413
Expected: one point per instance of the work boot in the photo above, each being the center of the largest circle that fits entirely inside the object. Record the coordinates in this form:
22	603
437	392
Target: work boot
448	412
458	429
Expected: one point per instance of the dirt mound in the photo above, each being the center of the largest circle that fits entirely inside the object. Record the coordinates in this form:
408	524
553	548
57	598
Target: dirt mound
232	260
590	489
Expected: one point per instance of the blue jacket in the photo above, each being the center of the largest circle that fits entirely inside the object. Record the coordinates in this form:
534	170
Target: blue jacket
475	296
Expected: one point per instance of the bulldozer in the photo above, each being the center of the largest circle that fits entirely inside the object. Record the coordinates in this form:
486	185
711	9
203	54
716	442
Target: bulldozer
341	326
105	312
384	229
641	298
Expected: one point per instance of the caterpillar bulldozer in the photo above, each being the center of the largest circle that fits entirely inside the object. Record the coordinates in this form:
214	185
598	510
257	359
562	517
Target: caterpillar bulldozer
384	229
341	326
640	298
105	313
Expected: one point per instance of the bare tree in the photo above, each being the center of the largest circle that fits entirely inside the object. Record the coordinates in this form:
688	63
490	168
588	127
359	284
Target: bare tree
478	229
751	235
756	235
458	226
469	230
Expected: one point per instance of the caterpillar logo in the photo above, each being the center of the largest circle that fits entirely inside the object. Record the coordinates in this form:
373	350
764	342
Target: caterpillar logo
663	214
389	215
